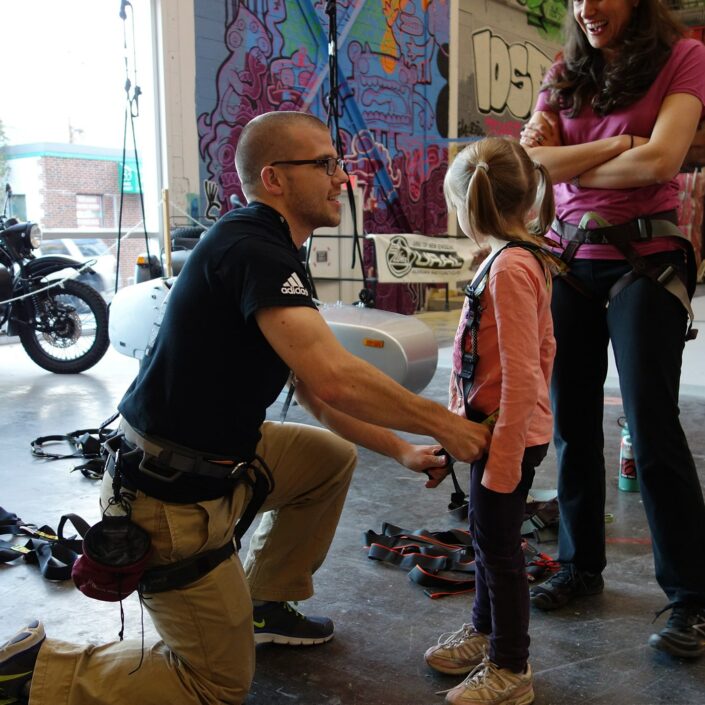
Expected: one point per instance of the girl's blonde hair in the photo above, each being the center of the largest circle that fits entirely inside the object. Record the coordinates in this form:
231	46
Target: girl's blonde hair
494	184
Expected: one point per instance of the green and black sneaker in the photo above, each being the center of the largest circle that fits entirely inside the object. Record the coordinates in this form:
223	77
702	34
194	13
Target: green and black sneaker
17	659
282	623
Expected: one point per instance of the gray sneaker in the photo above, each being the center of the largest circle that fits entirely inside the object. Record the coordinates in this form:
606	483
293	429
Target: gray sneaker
488	684
458	652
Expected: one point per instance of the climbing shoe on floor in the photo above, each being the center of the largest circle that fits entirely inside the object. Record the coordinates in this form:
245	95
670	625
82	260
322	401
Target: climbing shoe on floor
563	586
17	659
684	633
282	623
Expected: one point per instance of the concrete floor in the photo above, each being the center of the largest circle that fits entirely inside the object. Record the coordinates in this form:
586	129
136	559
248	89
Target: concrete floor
595	652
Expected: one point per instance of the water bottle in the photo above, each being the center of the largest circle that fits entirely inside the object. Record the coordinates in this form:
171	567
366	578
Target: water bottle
628	481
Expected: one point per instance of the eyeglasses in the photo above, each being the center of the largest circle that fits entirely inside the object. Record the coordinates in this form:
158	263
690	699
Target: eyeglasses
330	163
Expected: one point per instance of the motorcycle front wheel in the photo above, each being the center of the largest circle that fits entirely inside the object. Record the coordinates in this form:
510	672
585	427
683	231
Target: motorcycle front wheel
67	330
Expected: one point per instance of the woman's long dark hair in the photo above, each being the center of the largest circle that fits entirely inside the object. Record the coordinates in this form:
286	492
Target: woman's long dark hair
584	75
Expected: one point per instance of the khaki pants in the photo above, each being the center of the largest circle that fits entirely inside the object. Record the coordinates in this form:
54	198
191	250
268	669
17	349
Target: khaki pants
207	652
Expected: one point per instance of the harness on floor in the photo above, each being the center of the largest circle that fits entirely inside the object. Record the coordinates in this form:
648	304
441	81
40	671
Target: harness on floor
53	553
642	229
116	550
85	443
442	562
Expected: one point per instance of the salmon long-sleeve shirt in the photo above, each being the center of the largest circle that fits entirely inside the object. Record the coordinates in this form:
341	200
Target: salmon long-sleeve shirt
515	345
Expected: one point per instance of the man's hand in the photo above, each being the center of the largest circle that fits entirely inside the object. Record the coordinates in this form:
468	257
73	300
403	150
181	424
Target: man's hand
437	475
465	440
431	460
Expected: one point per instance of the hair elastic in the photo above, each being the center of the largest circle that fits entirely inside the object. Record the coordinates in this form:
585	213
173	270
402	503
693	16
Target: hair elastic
482	165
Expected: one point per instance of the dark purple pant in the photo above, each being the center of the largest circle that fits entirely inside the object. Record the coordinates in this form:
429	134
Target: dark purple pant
501	607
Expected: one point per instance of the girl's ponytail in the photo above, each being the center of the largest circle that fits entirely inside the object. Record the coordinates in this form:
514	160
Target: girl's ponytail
544	202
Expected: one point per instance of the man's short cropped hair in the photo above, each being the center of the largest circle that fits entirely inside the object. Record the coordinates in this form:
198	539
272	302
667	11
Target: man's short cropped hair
265	139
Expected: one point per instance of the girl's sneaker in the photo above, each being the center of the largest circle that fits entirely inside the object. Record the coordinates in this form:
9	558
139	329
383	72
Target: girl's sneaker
489	684
458	652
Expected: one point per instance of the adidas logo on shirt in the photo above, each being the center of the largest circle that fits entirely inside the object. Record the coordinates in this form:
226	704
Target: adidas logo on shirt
293	285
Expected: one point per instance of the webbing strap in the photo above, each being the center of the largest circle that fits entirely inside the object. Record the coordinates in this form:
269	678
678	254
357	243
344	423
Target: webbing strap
440	586
52	552
622	236
434	550
473	291
428	556
665	275
541	521
182	573
443	562
178	459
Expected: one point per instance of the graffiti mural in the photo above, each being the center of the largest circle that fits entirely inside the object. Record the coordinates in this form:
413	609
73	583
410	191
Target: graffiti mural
393	95
546	15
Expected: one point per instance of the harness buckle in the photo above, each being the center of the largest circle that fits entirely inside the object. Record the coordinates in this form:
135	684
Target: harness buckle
666	275
238	470
467	367
644	228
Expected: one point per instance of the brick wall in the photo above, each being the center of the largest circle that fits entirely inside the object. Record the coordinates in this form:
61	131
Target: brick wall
63	178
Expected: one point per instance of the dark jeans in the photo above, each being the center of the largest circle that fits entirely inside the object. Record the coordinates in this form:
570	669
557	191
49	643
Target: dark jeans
501	607
646	325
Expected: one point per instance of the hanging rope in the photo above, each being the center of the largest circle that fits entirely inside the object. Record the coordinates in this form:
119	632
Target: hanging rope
132	95
334	125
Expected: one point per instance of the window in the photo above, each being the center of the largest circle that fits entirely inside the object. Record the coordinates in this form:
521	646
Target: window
18	206
89	211
54	247
91	248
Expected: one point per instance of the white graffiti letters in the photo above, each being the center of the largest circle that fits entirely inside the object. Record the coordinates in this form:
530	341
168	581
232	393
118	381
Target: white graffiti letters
507	76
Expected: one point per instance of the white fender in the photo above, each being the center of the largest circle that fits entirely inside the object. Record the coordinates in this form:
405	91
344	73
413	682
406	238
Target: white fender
402	347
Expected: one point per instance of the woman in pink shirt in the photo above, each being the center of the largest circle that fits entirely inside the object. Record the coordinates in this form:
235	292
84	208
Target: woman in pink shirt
612	125
502	362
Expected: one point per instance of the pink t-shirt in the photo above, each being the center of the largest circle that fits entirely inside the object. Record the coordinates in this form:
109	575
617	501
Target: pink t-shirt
684	72
515	349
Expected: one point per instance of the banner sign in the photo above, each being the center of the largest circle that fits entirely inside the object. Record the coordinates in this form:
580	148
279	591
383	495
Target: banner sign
128	175
417	259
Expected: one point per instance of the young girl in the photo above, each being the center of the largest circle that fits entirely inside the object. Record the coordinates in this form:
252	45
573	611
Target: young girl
502	361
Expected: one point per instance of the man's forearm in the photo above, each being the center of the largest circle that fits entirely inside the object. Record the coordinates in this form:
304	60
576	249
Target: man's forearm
360	390
374	438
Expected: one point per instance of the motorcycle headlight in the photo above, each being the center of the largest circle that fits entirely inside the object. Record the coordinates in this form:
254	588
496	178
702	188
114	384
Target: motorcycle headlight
35	235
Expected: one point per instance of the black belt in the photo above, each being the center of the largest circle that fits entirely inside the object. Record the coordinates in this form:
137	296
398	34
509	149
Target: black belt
640	229
163	455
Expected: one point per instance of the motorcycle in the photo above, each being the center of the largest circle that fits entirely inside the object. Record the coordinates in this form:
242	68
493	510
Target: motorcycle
62	324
